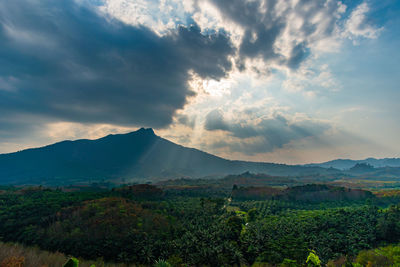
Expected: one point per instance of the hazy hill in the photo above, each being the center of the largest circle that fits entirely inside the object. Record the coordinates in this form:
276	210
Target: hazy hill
344	164
140	154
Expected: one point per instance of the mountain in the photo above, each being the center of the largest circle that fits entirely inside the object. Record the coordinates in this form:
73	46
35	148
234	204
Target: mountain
344	164
136	155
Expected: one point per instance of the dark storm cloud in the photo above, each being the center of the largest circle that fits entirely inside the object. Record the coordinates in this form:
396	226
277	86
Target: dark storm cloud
261	30
66	61
265	135
14	129
215	121
263	24
299	53
186	120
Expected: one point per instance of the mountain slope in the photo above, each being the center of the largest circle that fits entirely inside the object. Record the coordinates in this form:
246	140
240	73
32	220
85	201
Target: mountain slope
344	164
140	154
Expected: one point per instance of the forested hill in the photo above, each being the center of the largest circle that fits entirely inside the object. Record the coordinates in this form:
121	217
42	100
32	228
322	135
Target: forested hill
139	154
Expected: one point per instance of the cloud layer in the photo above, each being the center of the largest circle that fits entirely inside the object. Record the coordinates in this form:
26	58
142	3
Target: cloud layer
262	135
282	33
66	61
250	78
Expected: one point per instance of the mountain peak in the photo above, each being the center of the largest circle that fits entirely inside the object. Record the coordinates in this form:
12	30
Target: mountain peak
148	131
143	132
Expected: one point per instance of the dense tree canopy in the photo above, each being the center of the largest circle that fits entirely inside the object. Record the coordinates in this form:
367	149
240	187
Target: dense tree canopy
129	225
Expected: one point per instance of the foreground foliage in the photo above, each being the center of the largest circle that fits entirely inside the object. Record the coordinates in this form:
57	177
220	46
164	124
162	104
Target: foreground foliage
15	255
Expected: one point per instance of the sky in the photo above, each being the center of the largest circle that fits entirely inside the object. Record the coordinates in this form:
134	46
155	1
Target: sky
286	81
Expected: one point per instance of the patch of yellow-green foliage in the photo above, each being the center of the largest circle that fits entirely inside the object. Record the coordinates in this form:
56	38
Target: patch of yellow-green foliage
19	255
383	256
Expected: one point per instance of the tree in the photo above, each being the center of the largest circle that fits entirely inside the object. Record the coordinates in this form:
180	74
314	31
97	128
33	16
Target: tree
235	225
313	259
288	263
162	263
252	215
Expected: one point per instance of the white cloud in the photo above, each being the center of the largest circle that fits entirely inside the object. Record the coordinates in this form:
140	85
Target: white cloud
358	24
311	80
161	16
57	131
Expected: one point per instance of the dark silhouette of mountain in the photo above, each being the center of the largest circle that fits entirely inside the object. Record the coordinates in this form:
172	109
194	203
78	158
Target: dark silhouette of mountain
369	172
345	164
361	168
139	154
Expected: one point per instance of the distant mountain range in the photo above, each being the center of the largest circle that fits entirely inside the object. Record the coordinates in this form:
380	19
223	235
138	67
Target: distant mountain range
136	155
345	164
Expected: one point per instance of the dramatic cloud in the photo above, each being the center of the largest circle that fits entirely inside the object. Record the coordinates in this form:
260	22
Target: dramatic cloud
262	135
64	60
245	79
281	33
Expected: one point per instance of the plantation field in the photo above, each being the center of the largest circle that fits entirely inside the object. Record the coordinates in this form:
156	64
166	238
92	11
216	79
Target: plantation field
141	224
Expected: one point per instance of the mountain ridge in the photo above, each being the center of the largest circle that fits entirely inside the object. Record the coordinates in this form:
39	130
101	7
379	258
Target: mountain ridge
136	155
345	164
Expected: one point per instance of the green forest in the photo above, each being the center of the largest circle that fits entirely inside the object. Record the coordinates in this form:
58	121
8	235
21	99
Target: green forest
144	224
